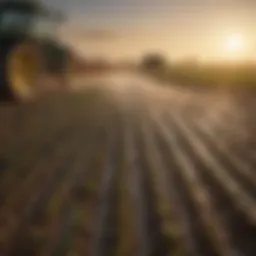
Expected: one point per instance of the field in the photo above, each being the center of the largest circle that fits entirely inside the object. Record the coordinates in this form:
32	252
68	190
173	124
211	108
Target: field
232	76
128	169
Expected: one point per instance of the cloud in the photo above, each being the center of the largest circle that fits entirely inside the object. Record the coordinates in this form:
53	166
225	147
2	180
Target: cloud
99	34
90	34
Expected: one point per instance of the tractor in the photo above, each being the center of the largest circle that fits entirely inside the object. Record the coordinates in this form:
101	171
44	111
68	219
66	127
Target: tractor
29	52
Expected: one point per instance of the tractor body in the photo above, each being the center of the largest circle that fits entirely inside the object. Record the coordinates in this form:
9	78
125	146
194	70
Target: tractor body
29	51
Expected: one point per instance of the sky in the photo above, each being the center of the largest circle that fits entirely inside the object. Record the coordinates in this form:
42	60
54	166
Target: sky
119	29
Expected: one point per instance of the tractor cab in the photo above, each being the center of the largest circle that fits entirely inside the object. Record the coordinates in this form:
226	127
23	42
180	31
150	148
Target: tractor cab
27	19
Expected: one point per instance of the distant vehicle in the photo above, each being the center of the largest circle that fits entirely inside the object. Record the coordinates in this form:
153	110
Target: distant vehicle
29	51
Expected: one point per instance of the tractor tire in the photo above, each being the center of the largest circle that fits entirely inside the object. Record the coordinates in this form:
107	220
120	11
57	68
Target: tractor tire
22	67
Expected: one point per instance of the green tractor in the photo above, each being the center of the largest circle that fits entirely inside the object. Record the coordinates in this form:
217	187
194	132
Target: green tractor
29	52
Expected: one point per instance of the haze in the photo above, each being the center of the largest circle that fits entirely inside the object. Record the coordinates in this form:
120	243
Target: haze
119	29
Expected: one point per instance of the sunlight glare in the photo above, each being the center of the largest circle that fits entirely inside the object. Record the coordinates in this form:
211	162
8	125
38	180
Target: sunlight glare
235	43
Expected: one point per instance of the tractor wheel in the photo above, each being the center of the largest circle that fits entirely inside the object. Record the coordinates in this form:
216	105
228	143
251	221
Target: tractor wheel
24	71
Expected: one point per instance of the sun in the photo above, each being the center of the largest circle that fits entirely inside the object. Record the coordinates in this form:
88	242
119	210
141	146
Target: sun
235	43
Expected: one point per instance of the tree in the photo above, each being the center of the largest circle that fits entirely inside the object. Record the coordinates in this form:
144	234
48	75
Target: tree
154	61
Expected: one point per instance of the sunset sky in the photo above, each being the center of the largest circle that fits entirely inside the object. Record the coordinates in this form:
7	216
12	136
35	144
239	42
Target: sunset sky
178	28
